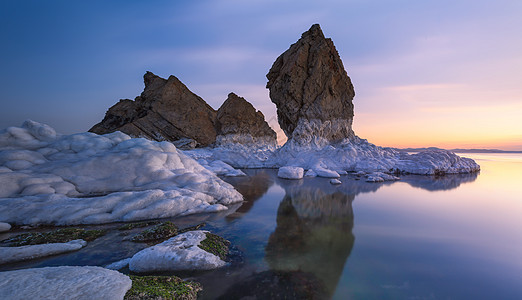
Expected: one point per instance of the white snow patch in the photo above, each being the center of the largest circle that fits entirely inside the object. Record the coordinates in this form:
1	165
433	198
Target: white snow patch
14	254
175	254
310	173
221	168
380	177
335	181
81	283
118	265
87	178
330	160
4	227
290	172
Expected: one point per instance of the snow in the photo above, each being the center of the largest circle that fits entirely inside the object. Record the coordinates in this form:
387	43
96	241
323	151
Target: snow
380	177
4	227
118	265
335	181
310	173
81	283
82	178
14	254
331	160
290	172
176	254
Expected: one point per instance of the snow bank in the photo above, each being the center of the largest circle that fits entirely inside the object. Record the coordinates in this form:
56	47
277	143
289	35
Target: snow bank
87	178
176	254
14	254
354	154
4	227
81	283
290	172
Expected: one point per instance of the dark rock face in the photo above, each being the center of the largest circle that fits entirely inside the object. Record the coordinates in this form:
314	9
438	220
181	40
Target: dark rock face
238	122
166	110
312	91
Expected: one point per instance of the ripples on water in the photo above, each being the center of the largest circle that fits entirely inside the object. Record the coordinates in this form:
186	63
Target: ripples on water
456	236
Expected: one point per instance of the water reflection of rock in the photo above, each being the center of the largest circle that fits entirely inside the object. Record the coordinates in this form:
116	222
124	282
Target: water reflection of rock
439	183
313	233
252	187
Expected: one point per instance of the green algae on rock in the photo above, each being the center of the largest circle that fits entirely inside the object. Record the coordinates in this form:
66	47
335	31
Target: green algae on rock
216	245
162	287
61	235
130	226
159	232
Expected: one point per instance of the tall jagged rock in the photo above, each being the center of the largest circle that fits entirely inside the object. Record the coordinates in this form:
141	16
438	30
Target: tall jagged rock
312	91
238	122
166	110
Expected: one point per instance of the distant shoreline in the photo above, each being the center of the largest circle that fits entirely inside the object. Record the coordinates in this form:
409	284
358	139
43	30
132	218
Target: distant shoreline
459	150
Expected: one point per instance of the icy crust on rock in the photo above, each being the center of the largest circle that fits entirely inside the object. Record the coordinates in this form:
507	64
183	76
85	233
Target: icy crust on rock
332	160
176	254
81	283
357	154
14	254
87	178
235	155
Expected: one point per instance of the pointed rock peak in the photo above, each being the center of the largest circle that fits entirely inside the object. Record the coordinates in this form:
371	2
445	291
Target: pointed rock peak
314	31
239	122
312	91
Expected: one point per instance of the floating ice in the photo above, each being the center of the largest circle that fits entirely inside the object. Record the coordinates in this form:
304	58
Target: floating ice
14	254
4	227
335	181
175	254
81	283
290	172
87	178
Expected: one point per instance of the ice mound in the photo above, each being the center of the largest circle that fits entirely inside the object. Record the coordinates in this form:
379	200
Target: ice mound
81	283
88	178
176	254
14	254
290	172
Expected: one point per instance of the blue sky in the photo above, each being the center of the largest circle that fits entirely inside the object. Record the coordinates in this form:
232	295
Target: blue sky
426	73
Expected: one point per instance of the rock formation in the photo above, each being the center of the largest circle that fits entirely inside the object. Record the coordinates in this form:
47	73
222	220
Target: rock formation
238	122
166	110
312	91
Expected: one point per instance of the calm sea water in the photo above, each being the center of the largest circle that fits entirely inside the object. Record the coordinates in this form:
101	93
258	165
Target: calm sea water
451	237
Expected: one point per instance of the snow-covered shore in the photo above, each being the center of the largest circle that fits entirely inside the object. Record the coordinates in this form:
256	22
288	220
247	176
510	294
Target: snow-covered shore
86	178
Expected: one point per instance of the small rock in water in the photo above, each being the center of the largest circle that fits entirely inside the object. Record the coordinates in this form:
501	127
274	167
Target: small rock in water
335	181
290	172
21	253
181	252
4	227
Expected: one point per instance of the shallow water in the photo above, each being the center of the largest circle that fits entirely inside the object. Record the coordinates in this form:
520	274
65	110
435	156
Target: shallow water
451	237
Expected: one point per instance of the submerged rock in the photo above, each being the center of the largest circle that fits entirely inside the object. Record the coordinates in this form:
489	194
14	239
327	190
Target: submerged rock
82	283
239	122
179	253
4	227
14	254
312	91
165	110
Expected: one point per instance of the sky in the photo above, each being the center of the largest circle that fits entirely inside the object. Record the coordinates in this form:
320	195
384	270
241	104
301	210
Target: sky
426	73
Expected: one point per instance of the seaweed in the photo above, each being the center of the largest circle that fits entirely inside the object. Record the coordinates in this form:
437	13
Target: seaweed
162	287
